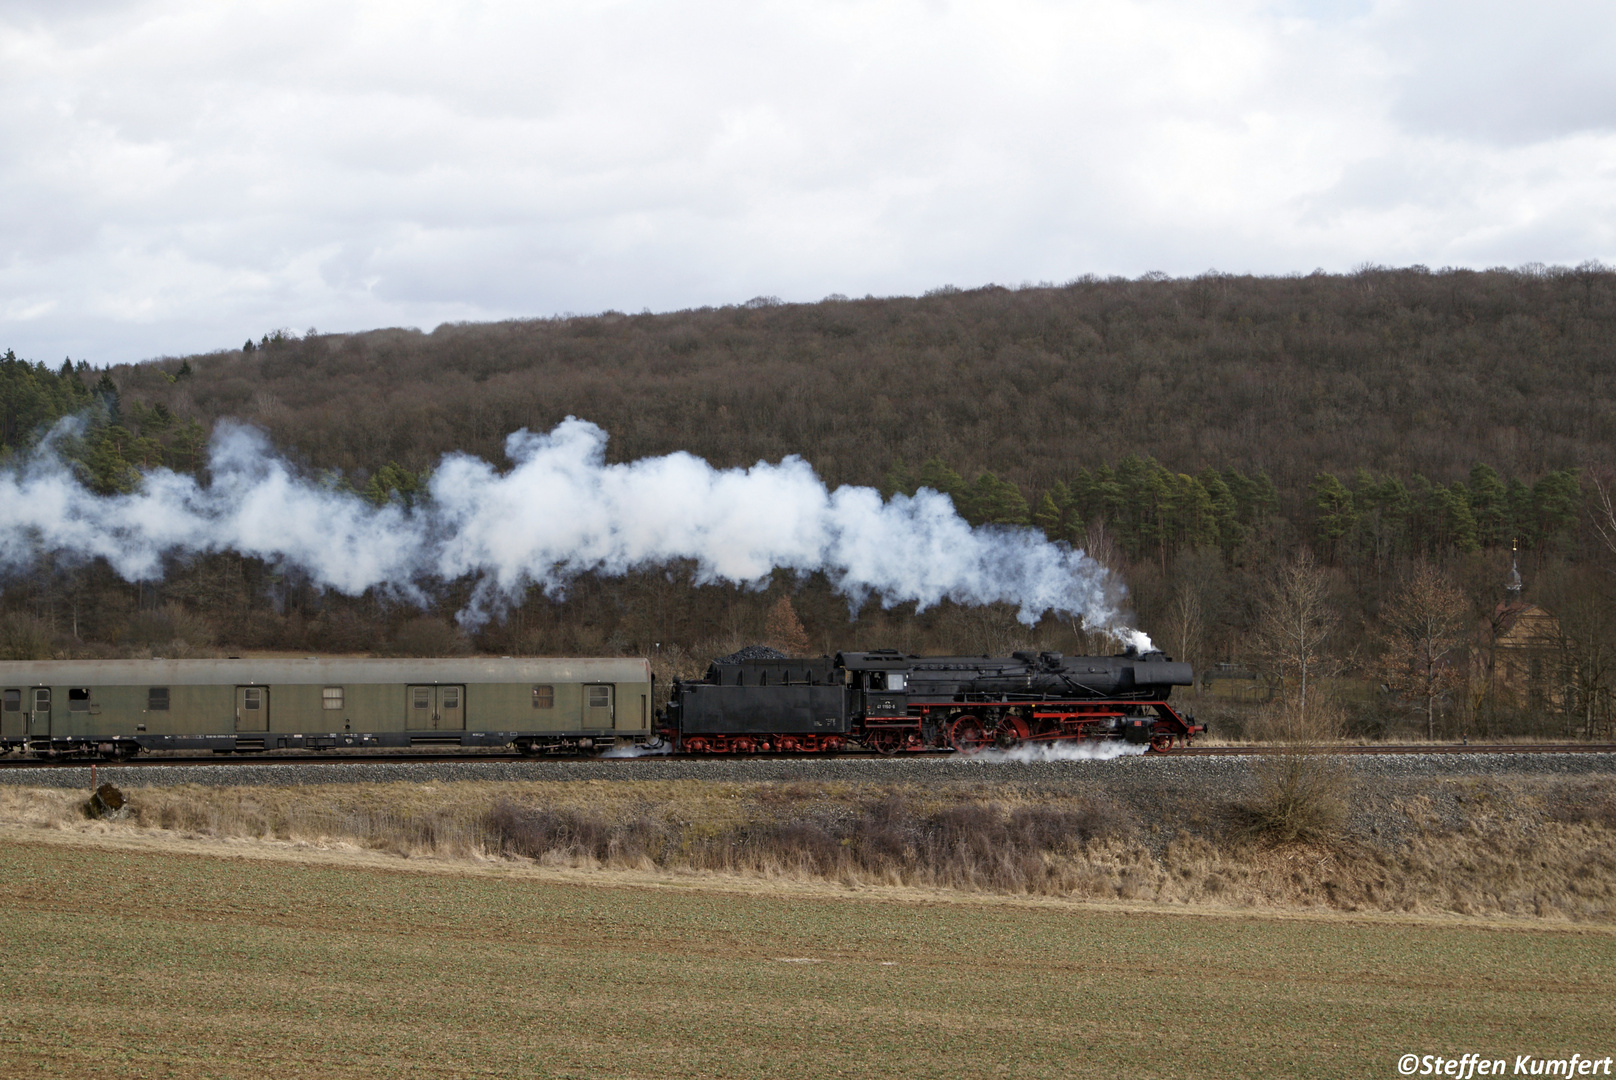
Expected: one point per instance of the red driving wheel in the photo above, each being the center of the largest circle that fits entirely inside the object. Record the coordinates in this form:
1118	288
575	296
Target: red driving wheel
1012	733
966	734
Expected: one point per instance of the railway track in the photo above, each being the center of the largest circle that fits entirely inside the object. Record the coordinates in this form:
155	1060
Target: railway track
1413	748
435	759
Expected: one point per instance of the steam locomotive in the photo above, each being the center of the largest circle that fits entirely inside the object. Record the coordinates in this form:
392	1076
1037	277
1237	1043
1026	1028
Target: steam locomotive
891	702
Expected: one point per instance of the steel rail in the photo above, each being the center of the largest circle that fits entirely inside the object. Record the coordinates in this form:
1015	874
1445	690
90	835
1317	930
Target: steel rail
317	758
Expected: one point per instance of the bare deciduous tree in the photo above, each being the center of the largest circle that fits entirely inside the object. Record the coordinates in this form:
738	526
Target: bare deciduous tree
1295	619
1605	511
1424	631
1186	623
1584	648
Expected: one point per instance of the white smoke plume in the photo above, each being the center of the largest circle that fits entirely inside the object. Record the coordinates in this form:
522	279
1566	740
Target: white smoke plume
1066	750
559	512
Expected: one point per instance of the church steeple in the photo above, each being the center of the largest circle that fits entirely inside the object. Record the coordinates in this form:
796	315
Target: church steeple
1512	584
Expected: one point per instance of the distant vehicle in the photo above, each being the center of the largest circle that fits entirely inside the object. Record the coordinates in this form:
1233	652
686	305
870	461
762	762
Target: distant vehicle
119	708
890	702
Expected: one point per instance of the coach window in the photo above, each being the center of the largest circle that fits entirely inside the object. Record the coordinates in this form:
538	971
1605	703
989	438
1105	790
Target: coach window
331	697
544	697
78	700
13	701
157	699
600	697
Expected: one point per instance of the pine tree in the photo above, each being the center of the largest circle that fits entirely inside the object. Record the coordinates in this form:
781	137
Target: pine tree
996	502
1335	512
1048	516
1225	511
1489	503
898	480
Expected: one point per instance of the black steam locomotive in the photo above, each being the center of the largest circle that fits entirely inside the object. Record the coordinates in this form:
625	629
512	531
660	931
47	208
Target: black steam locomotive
890	702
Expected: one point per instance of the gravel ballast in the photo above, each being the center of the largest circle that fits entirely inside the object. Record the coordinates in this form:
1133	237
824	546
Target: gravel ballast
1165	774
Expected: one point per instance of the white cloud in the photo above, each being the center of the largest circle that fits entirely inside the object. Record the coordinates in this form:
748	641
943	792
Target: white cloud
178	175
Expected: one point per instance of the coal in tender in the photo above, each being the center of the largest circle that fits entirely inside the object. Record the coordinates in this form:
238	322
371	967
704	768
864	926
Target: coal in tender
752	652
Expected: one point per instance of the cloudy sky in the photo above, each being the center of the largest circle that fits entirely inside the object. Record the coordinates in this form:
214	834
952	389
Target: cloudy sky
176	175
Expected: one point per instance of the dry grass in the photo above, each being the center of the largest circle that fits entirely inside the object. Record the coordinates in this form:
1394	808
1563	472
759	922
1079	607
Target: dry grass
1519	849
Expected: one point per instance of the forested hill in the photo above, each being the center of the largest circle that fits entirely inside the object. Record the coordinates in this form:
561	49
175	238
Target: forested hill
1399	372
1182	411
1207	427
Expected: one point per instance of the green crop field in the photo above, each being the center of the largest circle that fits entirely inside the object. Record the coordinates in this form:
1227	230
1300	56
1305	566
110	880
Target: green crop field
142	964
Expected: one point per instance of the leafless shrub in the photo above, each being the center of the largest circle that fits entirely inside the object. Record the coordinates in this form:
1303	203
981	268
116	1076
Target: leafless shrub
24	637
972	844
428	636
169	631
1587	804
565	833
1301	796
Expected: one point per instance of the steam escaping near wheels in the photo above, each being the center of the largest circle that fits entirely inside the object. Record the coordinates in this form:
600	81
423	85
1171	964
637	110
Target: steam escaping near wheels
1091	750
558	512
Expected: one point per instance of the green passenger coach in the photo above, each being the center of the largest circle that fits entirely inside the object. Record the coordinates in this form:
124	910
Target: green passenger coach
118	708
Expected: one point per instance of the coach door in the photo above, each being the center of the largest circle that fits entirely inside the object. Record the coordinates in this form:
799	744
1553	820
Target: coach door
39	718
252	708
598	707
13	721
435	708
451	708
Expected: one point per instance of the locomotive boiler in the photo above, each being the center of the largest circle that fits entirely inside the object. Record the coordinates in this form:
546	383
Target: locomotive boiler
889	702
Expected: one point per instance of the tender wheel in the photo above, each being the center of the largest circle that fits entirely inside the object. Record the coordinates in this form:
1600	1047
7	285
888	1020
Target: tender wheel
966	735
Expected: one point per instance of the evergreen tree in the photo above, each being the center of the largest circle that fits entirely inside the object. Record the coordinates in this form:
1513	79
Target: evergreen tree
898	480
1108	498
1225	510
1556	505
392	482
1048	516
1195	517
1335	512
937	475
1459	523
1489	504
1521	515
996	502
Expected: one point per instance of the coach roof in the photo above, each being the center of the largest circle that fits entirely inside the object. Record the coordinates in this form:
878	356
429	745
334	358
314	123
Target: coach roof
336	671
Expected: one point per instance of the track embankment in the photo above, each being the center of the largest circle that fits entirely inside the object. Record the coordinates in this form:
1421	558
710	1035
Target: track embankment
1211	771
